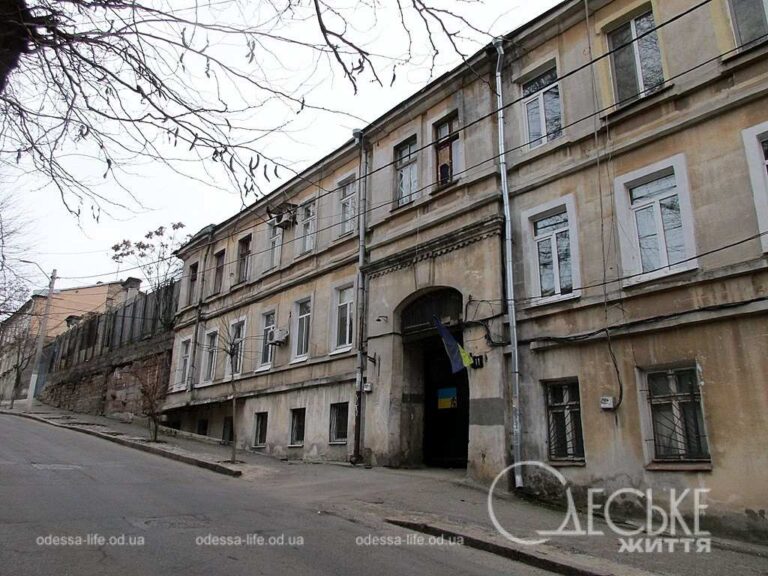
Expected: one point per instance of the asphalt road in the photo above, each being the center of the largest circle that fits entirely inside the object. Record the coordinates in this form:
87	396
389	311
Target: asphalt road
75	504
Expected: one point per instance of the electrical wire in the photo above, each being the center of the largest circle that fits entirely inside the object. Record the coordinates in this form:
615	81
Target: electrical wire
459	130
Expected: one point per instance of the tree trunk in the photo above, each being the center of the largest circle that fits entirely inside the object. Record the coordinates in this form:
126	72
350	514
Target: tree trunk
234	428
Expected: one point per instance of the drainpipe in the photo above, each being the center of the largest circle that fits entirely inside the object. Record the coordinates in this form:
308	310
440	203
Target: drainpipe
362	190
509	279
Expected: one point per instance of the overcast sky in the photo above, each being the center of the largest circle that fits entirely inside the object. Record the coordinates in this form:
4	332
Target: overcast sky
80	250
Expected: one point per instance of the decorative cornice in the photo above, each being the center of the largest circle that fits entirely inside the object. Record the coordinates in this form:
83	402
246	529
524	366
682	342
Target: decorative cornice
437	247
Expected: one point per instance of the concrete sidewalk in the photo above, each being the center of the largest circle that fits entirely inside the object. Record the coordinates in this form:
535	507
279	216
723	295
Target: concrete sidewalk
430	501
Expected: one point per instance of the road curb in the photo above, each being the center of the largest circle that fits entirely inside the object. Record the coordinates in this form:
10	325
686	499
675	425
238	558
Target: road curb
208	465
542	560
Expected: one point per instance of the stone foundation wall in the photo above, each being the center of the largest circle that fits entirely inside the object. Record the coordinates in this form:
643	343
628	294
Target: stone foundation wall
110	385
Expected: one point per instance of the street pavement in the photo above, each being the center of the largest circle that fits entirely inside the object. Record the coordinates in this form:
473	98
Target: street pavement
74	504
55	481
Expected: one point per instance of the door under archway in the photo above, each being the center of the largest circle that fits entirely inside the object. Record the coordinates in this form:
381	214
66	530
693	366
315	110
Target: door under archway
436	416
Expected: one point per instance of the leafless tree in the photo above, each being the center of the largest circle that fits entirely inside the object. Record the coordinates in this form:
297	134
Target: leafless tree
153	385
231	343
14	286
154	254
91	88
18	352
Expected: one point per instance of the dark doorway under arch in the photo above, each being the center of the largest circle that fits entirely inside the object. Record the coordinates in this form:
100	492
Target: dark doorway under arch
436	401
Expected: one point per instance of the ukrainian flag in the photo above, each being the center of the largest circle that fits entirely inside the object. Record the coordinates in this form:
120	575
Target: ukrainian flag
459	357
446	398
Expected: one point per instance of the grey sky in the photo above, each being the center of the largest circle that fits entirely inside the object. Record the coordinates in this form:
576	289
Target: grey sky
80	251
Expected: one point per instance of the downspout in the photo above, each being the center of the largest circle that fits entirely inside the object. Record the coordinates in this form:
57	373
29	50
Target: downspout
362	192
509	279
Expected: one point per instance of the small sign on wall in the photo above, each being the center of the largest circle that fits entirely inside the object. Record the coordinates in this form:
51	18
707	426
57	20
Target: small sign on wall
446	398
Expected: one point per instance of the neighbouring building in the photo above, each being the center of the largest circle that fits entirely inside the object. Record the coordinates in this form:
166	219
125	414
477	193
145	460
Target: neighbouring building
637	154
19	332
117	362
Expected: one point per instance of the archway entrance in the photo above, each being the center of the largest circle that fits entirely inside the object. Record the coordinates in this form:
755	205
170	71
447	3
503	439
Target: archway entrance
436	401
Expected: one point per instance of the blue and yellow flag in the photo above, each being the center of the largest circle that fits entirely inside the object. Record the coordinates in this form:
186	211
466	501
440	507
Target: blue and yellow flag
459	357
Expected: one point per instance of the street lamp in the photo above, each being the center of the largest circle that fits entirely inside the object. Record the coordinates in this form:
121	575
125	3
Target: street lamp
41	335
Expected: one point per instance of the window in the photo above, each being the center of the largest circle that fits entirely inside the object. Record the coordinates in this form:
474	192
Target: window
407	176
676	415
236	347
186	346
347	201
637	68
339	422
275	244
656	221
306	229
303	321
218	276
268	327
211	345
750	20
553	253
566	441
260	435
243	258
542	108
344	316
446	149
298	416
191	287
756	149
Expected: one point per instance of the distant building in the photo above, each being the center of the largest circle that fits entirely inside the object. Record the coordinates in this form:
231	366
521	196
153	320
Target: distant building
19	332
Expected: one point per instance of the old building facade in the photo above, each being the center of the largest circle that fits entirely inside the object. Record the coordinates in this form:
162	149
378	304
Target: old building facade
19	332
637	147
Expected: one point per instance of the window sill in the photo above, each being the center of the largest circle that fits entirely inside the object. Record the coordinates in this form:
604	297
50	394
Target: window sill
345	236
265	368
340	351
567	463
679	466
745	55
337	443
659	274
295	445
629	109
304	256
397	206
447	186
206	383
299	360
549	300
258	447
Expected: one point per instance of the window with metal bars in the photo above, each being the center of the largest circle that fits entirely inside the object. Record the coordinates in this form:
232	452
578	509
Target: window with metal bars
676	415
566	441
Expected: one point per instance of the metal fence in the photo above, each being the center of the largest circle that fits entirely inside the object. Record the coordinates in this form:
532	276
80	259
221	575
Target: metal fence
140	318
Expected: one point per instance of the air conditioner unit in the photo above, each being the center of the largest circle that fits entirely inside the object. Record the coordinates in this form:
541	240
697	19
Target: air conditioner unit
277	337
284	215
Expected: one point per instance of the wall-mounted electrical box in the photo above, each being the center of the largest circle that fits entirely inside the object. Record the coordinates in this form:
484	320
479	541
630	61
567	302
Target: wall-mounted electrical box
607	403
